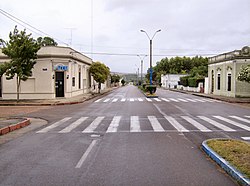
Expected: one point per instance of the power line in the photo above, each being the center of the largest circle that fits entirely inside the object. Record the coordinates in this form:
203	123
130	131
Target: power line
17	20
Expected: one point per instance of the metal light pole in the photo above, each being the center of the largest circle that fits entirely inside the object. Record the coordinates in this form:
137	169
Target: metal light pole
142	64
150	54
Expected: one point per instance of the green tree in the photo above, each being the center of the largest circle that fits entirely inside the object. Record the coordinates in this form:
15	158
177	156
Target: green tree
100	73
244	74
46	41
123	82
115	78
22	50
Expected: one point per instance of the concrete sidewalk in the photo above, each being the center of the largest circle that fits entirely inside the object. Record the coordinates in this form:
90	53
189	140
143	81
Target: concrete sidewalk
57	101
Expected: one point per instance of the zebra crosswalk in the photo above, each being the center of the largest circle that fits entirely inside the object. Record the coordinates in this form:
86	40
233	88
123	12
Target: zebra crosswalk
102	124
177	100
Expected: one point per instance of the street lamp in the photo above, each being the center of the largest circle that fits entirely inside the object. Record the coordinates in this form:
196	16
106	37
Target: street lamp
142	64
150	54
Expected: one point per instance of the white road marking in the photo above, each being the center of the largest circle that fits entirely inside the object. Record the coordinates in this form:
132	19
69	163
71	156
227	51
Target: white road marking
173	100
85	155
164	99
208	100
106	100
183	100
233	122
93	125
123	99
156	99
115	100
114	124
140	99
247	116
200	100
191	100
155	124
135	124
54	125
245	138
196	124
132	99
98	100
241	119
148	99
216	124
73	125
176	124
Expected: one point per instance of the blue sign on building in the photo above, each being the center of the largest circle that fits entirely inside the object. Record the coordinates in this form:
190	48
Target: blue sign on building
61	68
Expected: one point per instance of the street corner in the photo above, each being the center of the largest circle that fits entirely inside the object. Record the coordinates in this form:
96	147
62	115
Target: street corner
225	165
11	124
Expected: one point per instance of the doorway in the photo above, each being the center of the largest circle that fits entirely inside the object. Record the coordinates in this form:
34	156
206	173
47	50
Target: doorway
212	87
59	84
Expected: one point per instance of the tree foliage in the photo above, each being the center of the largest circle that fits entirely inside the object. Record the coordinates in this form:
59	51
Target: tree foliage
22	50
195	66
115	78
244	74
46	41
100	73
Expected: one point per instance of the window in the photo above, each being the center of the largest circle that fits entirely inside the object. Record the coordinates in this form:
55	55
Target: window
73	81
229	82
218	82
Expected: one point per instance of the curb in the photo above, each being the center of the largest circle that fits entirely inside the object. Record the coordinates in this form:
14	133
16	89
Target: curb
233	172
13	127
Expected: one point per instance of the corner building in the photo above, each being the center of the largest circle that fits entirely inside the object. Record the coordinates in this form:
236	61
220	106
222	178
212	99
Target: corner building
58	72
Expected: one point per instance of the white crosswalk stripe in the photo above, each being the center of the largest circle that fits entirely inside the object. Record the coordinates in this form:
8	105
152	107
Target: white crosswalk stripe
135	124
93	125
196	124
176	124
247	116
56	124
123	99
216	124
140	99
200	100
132	99
115	100
233	123
164	99
73	125
191	100
155	124
183	100
98	100
180	124
106	100
114	124
241	119
148	99
172	99
156	99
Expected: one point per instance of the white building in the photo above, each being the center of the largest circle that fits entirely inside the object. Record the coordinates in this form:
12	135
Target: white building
59	72
223	71
171	80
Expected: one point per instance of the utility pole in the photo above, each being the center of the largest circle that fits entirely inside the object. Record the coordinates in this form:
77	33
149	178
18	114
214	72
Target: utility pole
71	35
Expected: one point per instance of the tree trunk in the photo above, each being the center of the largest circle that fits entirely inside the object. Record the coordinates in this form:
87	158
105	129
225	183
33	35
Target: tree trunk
18	87
99	87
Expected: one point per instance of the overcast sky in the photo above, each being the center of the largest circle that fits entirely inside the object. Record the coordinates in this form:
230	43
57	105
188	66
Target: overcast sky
188	27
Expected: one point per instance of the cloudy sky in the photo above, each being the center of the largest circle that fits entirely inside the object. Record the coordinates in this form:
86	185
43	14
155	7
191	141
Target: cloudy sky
109	30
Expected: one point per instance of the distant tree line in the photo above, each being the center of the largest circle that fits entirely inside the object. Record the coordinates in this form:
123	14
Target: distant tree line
196	68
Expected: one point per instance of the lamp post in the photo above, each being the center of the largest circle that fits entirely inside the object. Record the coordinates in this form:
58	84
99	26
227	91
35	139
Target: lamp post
142	64
150	54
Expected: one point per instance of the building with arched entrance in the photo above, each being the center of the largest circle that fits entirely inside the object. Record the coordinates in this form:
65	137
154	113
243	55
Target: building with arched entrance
223	71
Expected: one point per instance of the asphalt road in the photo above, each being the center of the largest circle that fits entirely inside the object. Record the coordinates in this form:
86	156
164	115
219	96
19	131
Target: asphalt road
124	139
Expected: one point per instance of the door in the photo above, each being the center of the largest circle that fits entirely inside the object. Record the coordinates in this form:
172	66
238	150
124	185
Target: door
59	84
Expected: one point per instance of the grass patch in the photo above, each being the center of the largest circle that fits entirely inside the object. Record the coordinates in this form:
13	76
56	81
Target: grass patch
236	152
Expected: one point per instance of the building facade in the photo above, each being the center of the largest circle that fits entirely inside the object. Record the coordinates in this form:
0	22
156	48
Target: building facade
171	80
223	71
59	72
